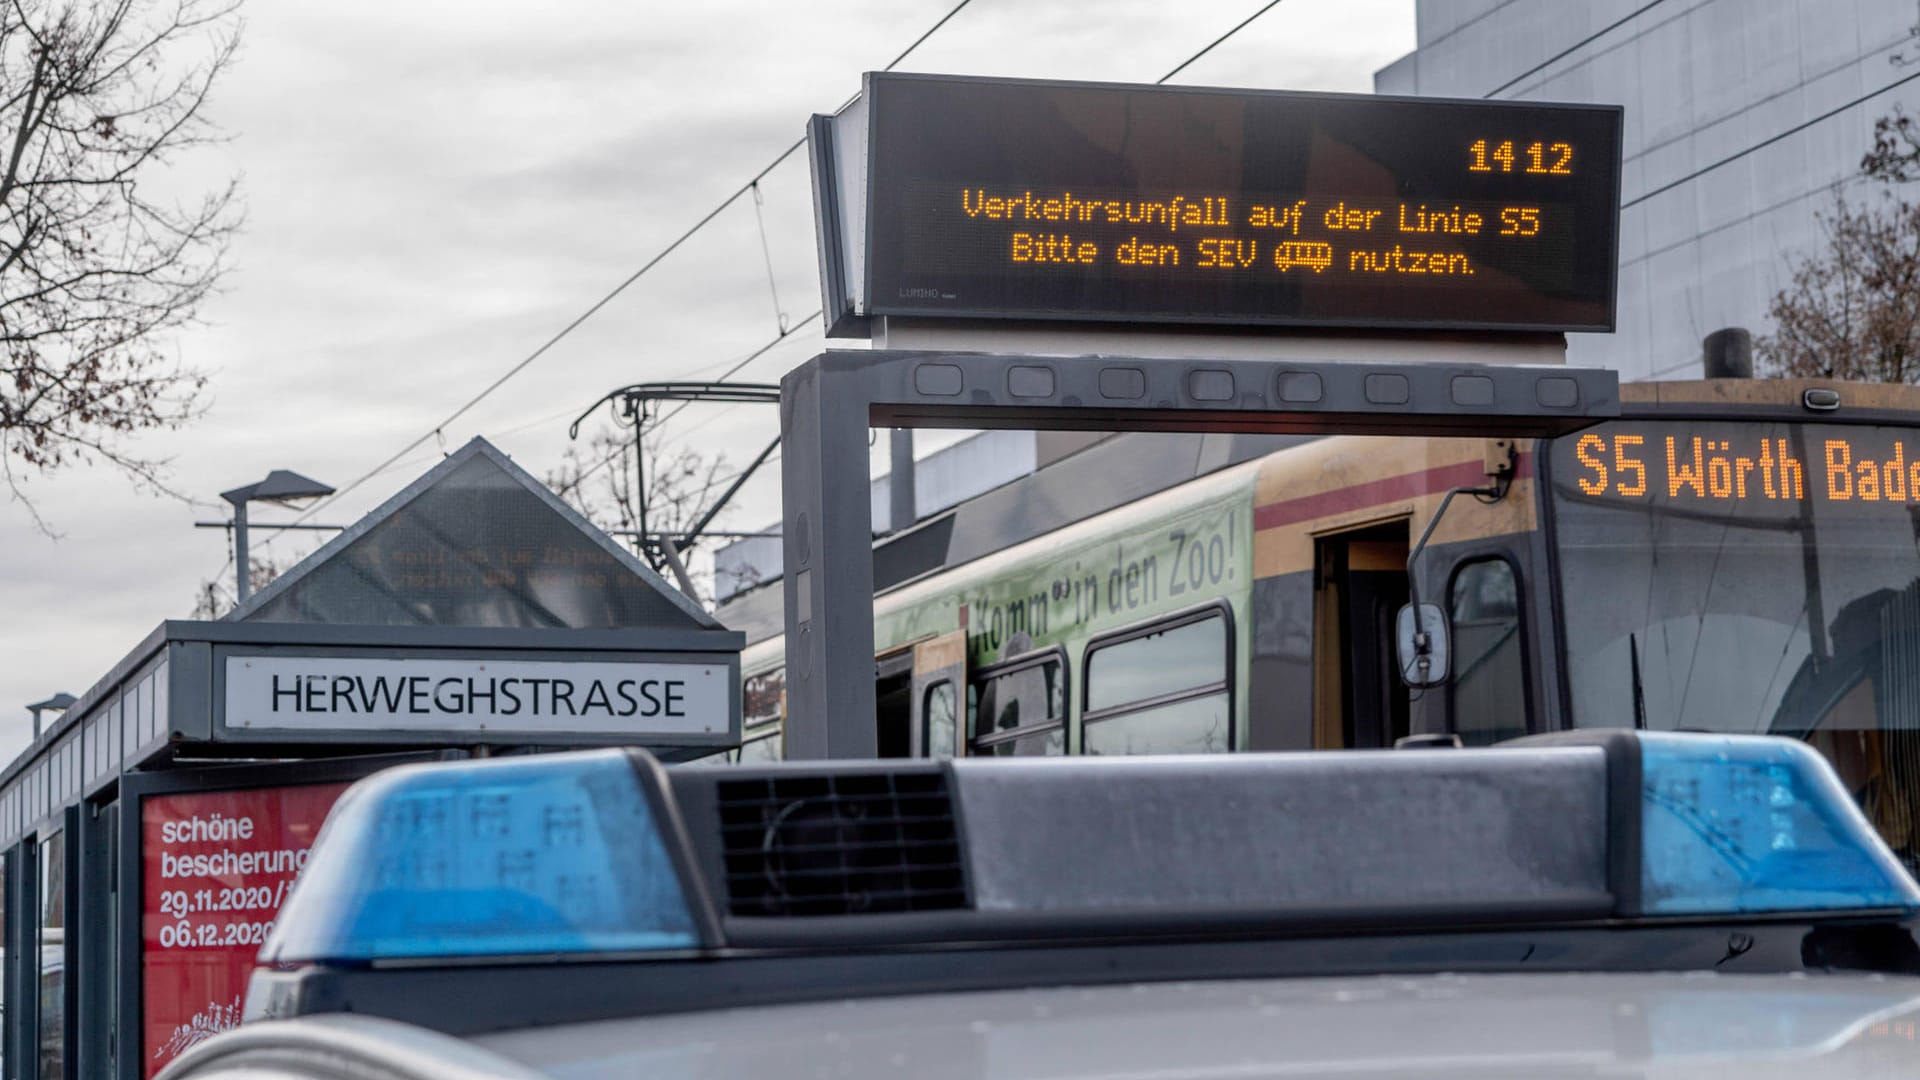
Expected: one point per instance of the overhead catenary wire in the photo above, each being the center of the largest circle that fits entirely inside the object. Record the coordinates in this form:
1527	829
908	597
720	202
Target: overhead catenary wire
277	529
784	329
618	452
1177	69
744	189
1639	11
1770	140
574	484
922	39
1211	45
436	455
1575	47
598	305
607	460
522	365
766	252
744	361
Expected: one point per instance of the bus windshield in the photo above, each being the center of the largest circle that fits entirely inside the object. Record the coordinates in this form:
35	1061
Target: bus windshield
1746	576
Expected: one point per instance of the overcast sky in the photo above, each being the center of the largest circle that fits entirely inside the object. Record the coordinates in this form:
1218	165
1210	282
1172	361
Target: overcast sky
435	188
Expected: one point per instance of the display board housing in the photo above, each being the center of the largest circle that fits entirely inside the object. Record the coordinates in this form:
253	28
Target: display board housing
990	198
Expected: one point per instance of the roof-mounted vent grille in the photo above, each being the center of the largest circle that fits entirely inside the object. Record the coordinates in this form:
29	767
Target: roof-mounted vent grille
853	844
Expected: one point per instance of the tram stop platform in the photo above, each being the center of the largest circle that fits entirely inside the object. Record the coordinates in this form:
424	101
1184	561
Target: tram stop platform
150	834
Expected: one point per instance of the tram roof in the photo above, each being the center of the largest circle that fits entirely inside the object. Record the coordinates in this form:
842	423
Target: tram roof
1786	396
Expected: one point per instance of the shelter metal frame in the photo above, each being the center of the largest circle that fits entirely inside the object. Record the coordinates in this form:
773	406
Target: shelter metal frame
828	404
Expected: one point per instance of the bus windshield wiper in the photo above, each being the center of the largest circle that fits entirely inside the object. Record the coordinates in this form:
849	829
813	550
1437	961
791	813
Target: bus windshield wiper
1639	691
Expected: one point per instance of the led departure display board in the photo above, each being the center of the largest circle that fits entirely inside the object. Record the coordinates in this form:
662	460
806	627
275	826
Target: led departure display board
1744	468
1135	203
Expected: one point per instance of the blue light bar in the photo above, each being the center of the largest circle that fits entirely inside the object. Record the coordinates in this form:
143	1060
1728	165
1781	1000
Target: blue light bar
1735	824
541	855
565	854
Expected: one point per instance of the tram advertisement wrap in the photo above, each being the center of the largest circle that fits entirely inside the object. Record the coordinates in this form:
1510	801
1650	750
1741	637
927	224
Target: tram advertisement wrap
1093	583
214	869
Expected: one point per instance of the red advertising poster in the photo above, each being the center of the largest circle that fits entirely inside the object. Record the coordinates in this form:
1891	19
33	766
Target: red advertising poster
214	869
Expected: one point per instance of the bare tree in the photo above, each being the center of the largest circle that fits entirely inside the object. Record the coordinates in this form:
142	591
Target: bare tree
1895	157
1852	310
96	265
216	596
599	480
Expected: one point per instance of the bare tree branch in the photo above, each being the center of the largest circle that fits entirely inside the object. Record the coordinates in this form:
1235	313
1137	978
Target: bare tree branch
94	274
1852	310
598	480
216	596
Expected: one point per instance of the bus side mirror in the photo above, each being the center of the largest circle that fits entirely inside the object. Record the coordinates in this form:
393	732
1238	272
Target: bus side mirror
1424	651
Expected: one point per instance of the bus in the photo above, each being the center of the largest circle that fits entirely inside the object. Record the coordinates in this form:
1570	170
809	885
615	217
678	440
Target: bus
1732	555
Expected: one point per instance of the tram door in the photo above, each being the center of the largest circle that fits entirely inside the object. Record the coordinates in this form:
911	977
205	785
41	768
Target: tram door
893	702
917	692
939	688
1360	583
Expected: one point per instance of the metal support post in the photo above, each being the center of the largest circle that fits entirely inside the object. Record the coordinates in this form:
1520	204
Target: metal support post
672	556
640	482
902	506
828	538
828	404
242	569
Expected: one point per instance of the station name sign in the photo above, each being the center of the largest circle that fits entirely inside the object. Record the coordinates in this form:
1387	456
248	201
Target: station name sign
453	695
996	198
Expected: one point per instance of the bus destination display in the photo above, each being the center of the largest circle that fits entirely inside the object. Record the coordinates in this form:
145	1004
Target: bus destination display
1049	200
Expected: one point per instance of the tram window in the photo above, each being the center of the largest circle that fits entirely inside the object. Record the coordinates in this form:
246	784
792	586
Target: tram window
1193	726
1489	691
763	706
1161	690
53	956
1019	710
1156	663
937	713
763	697
760	746
1049	743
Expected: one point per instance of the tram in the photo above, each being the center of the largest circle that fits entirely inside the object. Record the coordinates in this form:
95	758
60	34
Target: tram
1731	555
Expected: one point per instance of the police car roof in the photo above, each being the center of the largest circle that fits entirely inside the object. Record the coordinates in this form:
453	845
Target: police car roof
560	889
1539	1026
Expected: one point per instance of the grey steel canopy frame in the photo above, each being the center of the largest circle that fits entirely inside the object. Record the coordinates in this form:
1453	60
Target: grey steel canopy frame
828	403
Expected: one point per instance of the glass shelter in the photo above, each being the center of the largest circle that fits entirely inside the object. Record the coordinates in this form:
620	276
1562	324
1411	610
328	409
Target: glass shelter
149	835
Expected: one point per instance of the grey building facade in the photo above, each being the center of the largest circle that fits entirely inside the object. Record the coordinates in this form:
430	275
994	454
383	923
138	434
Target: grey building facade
1741	117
